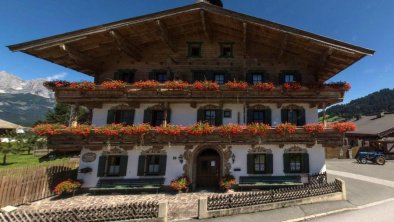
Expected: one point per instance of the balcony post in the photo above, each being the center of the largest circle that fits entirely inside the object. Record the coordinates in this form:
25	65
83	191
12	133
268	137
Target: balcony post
74	109
324	115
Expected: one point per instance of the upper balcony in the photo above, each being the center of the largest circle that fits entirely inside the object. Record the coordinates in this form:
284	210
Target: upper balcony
318	95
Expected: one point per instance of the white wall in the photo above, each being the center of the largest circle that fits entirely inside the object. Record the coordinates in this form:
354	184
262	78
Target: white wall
174	168
184	114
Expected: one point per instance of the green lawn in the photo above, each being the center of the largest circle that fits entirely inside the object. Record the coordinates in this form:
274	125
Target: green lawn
21	160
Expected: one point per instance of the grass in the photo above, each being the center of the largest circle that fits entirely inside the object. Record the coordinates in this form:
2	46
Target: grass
23	160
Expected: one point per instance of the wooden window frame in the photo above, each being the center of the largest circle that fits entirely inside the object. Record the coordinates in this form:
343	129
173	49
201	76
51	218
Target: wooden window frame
144	164
224	45
190	49
148	163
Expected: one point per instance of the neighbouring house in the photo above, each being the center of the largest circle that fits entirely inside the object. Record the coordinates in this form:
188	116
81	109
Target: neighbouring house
203	44
8	127
374	132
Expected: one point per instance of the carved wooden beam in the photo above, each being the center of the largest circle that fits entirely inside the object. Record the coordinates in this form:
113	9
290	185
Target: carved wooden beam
79	59
125	46
283	46
205	26
165	37
245	38
322	62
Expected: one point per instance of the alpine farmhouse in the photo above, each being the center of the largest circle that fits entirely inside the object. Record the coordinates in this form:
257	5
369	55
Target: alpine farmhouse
214	50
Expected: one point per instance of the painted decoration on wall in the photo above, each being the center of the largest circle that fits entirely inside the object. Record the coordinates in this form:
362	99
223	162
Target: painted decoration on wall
89	157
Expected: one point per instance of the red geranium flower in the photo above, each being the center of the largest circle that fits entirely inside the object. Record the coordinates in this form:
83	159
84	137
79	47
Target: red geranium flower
237	85
292	86
285	129
343	127
109	130
258	128
176	84
169	129
48	129
84	85
113	84
206	85
264	86
314	128
199	129
231	129
82	130
148	84
135	129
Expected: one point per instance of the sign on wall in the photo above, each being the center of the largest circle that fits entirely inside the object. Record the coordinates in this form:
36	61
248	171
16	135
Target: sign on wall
89	157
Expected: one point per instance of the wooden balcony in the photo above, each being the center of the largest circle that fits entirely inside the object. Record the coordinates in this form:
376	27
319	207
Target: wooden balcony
68	142
131	94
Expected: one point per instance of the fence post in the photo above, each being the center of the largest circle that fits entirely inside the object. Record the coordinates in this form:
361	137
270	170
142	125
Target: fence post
163	211
203	208
343	185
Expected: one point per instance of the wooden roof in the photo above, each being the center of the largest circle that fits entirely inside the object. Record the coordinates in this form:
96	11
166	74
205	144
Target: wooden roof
87	50
8	125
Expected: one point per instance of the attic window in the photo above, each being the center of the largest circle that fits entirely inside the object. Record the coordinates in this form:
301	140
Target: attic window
226	50
195	49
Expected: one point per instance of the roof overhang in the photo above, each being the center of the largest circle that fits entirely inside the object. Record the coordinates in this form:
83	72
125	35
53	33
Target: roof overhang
87	49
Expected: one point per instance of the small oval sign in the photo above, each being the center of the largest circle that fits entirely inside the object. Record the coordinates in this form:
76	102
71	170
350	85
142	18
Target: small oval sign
88	157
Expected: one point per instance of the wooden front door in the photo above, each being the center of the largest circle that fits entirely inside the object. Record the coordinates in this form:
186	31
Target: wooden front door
208	169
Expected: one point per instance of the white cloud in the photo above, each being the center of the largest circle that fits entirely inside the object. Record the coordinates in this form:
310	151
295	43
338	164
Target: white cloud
56	76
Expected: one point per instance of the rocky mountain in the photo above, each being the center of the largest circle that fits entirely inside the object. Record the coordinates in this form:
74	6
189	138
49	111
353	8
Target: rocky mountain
12	84
24	102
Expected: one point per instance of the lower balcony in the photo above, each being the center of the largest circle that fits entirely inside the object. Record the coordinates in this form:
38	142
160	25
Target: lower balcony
71	142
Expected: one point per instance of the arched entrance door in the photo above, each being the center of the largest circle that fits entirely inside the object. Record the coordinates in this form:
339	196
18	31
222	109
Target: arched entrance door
208	168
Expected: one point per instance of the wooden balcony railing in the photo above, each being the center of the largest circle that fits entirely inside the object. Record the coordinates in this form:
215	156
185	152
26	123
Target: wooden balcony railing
68	142
134	94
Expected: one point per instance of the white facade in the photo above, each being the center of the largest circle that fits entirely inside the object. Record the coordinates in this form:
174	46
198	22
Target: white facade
175	168
184	114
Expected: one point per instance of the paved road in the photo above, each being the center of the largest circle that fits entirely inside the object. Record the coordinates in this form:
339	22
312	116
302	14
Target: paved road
365	184
379	213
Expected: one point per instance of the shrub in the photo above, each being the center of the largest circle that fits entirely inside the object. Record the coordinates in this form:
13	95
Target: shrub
343	127
48	129
231	129
264	86
148	84
68	186
113	84
285	129
258	128
181	183
206	85
199	129
176	84
227	182
237	85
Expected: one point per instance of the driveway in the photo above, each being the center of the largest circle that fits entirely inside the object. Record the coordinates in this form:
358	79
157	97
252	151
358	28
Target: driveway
366	186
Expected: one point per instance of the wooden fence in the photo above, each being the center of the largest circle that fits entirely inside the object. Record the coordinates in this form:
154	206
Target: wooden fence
28	184
227	201
119	212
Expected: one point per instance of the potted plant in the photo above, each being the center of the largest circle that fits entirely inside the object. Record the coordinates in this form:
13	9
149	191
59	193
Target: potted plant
67	187
181	184
227	182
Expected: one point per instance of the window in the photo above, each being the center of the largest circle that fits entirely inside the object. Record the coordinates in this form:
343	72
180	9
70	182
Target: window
113	166
257	78
289	78
124	75
219	78
295	163
125	117
195	50
226	50
161	77
210	117
259	163
158	118
227	113
152	165
294	116
259	115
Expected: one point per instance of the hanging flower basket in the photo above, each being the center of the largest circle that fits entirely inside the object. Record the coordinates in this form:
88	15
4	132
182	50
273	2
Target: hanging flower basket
200	129
113	85
237	85
48	129
258	128
264	86
285	129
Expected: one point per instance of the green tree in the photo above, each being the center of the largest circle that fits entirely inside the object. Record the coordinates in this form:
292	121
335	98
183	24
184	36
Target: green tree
8	147
29	141
61	114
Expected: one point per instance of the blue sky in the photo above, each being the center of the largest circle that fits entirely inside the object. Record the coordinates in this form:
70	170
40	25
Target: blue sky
361	22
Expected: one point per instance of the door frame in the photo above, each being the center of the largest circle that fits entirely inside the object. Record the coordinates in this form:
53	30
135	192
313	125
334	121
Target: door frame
215	157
